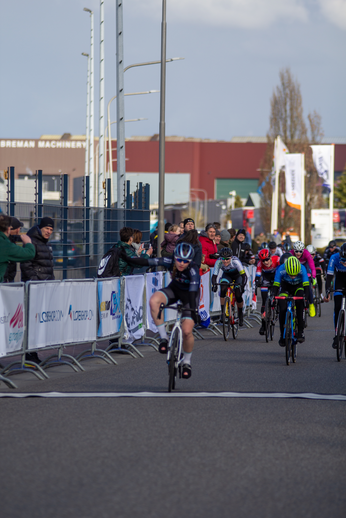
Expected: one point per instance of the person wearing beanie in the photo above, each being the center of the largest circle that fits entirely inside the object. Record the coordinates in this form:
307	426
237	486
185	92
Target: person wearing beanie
225	240
237	245
189	224
40	268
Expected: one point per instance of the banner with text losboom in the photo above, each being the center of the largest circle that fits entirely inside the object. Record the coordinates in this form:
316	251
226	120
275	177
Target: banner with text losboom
11	318
61	313
153	283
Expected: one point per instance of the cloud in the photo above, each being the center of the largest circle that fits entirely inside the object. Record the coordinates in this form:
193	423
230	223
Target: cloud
335	11
248	14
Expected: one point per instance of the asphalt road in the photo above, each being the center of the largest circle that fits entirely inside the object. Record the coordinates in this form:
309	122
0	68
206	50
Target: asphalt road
188	456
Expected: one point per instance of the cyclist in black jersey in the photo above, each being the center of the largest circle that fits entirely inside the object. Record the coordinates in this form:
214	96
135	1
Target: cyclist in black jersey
184	287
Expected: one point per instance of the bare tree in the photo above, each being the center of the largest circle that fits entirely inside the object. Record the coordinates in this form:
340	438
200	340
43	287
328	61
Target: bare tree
287	120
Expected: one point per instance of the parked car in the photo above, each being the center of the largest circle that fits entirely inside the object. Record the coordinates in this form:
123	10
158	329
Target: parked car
73	256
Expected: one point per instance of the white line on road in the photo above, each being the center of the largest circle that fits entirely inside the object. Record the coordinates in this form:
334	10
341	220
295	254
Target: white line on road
273	395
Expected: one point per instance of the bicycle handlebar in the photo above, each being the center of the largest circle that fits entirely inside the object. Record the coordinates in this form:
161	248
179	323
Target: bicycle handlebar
290	298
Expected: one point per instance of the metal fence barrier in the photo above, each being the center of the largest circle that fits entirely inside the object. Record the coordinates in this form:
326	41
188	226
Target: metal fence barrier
55	315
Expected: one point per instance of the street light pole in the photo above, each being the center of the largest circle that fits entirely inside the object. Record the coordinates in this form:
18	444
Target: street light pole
91	125
162	130
101	171
86	172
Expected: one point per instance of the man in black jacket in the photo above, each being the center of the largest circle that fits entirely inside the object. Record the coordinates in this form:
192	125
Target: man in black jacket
40	268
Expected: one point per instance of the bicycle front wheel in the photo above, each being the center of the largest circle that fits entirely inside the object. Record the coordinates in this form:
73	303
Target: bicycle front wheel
294	343
235	324
317	301
226	318
173	359
340	335
267	319
288	337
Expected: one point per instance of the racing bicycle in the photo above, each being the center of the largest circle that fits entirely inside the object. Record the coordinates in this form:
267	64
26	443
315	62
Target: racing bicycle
290	329
175	353
230	318
271	315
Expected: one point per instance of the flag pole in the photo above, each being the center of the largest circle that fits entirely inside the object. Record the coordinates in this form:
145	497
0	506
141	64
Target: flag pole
302	207
331	194
275	195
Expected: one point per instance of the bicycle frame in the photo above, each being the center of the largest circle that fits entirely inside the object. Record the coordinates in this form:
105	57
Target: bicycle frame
291	341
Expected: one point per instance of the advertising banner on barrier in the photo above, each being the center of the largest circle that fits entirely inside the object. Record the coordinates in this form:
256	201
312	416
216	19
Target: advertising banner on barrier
204	299
134	289
215	304
110	317
170	314
11	319
153	283
61	313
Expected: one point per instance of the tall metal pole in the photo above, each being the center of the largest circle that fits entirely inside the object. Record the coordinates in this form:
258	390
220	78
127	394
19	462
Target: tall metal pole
162	130
91	126
120	107
101	172
86	172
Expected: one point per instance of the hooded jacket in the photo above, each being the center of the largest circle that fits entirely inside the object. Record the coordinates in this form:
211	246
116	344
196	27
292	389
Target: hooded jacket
40	268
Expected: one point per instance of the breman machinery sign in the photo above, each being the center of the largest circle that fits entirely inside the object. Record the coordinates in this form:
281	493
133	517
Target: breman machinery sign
43	144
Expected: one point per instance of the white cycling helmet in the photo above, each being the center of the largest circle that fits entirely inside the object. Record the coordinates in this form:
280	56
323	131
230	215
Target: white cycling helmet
298	246
311	249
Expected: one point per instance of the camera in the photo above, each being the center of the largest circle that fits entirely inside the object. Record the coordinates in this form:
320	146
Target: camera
146	246
16	239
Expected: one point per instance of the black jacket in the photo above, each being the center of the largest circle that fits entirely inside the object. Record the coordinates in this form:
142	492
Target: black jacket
40	268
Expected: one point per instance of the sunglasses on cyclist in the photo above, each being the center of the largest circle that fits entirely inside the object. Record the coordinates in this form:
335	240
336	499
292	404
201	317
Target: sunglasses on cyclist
266	260
184	261
225	258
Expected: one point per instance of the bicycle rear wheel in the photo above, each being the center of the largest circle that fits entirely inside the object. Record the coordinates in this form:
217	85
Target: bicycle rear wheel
317	301
267	320
340	335
305	318
235	324
288	337
226	318
172	369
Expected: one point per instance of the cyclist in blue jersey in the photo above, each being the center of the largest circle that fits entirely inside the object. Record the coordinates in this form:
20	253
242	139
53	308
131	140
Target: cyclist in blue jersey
232	271
184	287
291	279
337	266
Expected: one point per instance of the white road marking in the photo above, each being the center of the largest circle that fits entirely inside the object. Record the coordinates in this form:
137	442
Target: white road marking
262	395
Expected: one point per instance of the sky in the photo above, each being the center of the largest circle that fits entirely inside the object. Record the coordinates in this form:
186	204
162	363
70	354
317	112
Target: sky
233	52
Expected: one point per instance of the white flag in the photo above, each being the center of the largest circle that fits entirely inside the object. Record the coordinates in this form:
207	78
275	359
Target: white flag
294	175
321	156
280	151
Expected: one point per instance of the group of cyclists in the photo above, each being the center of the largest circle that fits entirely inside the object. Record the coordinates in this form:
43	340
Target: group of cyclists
285	270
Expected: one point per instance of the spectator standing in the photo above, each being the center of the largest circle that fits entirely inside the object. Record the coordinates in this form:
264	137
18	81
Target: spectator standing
125	243
217	239
13	237
225	240
40	268
10	251
209	248
238	243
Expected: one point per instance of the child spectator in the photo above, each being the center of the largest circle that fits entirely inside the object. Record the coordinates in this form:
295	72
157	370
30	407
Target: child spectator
170	240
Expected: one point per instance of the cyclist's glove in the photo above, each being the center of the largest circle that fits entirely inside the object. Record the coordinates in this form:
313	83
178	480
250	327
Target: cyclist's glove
327	293
314	281
214	288
258	282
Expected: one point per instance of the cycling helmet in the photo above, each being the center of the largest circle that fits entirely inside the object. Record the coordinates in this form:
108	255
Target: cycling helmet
286	246
332	243
184	251
284	257
263	245
272	244
225	252
311	249
264	254
342	252
292	266
298	246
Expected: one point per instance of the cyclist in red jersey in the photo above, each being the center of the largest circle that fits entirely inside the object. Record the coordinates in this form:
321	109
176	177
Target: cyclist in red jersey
265	274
